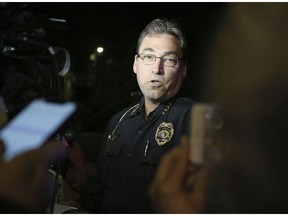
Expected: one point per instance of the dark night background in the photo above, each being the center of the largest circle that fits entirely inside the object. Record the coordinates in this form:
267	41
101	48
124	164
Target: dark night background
103	87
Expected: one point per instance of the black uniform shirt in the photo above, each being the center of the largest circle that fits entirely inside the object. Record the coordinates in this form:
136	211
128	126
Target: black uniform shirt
133	149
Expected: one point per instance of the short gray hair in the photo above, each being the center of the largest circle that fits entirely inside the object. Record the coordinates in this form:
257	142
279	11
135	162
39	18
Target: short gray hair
163	26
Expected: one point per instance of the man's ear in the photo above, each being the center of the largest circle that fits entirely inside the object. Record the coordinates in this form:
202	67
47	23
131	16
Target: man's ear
184	71
135	64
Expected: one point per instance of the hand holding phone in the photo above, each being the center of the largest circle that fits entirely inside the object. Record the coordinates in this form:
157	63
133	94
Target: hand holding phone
33	126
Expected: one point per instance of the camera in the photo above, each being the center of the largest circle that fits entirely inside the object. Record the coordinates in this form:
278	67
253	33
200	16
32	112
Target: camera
30	67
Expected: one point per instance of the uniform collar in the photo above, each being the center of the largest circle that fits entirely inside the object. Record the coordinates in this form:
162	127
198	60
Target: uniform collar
164	107
161	110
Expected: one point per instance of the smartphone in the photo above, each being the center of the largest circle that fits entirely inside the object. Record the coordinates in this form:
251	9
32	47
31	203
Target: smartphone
30	128
205	122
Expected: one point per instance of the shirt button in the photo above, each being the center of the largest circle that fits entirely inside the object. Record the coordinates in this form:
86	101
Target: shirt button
129	156
139	131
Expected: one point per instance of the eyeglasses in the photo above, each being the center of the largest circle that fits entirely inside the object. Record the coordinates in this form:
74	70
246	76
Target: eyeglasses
149	59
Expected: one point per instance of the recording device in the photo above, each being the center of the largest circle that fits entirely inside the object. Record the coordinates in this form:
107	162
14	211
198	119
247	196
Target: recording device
31	66
67	139
205	122
30	128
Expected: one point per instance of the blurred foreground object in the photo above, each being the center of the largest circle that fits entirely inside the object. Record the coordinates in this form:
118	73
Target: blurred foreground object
247	75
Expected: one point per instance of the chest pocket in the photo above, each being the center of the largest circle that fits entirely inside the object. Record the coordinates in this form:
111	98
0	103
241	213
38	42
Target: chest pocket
163	141
114	144
154	152
113	147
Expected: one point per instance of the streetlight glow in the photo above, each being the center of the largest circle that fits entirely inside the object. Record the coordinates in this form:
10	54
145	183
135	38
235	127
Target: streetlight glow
100	49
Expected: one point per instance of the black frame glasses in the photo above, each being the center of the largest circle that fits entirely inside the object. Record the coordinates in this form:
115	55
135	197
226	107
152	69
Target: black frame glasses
149	59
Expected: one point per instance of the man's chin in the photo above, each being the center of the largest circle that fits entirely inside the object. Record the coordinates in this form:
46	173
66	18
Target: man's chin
159	98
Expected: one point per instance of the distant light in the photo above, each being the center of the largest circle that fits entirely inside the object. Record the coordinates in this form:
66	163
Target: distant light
93	57
8	49
57	20
100	49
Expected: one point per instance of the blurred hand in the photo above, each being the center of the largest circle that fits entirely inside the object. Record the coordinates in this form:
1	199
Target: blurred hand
24	180
176	188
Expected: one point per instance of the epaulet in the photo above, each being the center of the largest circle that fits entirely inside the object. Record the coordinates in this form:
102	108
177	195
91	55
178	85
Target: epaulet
114	135
129	109
134	109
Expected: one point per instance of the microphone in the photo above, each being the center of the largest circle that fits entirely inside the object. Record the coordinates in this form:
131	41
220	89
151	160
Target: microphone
67	139
136	93
70	136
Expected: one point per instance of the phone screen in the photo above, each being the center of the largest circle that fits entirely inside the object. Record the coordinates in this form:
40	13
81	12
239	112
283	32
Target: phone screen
33	126
205	122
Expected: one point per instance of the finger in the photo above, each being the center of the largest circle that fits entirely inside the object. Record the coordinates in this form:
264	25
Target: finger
52	151
171	162
179	171
162	172
184	142
170	175
167	164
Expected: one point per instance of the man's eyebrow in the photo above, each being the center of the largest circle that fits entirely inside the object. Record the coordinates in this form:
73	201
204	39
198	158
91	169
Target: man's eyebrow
165	53
170	52
148	49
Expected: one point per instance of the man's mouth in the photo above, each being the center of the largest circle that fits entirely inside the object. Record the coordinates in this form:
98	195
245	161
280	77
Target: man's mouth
156	83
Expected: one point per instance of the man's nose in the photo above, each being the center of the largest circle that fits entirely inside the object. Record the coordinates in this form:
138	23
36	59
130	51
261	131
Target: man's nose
158	66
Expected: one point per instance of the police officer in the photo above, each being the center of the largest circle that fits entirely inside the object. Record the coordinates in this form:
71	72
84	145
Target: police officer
137	137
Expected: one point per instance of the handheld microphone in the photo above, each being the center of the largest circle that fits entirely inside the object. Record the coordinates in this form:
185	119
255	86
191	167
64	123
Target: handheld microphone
70	136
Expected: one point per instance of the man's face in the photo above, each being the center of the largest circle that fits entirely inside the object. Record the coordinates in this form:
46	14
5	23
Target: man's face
157	81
